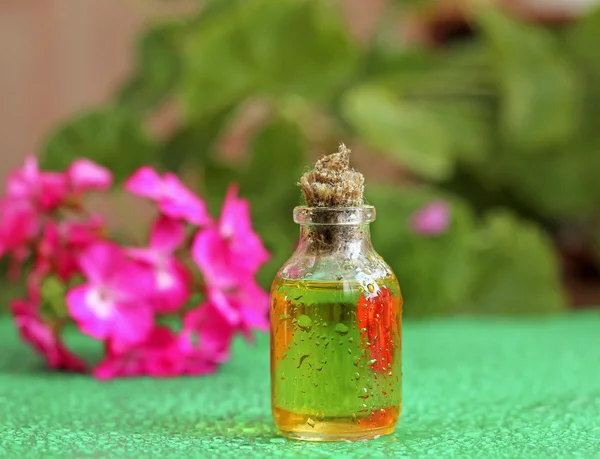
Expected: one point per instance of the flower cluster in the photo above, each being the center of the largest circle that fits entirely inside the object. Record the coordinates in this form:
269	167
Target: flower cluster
197	271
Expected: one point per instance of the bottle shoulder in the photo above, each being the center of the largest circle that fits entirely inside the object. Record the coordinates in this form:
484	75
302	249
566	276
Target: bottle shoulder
363	267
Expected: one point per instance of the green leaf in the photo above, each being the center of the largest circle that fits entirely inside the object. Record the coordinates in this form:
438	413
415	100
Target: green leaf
53	293
158	69
501	265
277	161
404	130
581	38
540	98
301	48
467	124
113	137
194	142
276	164
217	72
516	271
435	273
561	183
268	47
457	71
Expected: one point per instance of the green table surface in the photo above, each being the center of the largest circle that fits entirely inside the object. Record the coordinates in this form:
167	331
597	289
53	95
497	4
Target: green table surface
472	388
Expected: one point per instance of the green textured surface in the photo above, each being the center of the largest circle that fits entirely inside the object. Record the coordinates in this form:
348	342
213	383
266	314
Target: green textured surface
473	388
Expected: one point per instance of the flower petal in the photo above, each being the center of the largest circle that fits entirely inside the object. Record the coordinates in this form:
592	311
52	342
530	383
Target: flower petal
212	255
167	235
85	175
177	201
98	261
144	182
432	219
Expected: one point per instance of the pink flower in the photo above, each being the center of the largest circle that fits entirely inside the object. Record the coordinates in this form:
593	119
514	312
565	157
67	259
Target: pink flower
85	175
19	225
244	307
432	219
82	233
171	278
113	303
172	196
44	190
161	354
205	328
41	336
60	246
229	250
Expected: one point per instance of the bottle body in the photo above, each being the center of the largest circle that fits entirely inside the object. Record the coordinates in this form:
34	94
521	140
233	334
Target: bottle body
336	319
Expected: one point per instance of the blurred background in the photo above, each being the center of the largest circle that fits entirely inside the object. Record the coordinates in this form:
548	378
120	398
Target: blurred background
490	105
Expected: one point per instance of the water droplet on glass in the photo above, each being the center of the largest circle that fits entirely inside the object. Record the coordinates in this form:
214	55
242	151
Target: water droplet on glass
350	340
341	329
371	288
311	422
320	416
304	322
349	351
372	361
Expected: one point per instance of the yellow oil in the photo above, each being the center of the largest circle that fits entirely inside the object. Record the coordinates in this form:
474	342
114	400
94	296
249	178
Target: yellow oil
336	358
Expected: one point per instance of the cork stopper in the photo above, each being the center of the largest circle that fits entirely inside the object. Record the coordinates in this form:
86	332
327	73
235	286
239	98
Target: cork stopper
332	183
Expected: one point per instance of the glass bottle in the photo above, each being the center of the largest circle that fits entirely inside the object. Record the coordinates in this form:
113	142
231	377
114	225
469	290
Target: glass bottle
336	319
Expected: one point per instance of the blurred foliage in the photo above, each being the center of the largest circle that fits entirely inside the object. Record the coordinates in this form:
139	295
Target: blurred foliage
503	126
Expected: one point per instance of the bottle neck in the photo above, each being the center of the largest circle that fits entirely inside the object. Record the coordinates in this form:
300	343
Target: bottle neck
346	241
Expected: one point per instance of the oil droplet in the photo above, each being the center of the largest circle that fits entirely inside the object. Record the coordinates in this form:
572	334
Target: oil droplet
371	288
372	361
320	416
311	422
341	329
350	340
354	418
324	324
304	322
356	361
357	376
349	351
302	359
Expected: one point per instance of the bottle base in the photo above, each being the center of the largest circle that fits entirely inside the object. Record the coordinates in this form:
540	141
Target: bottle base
345	436
366	426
